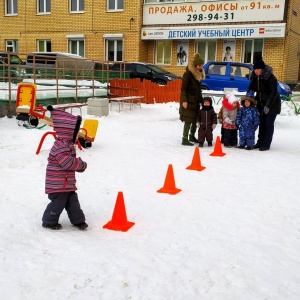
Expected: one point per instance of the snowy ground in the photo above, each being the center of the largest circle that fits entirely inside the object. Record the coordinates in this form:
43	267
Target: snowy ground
232	233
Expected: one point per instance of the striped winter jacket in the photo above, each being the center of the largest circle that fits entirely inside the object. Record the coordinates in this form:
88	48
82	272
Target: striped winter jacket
62	160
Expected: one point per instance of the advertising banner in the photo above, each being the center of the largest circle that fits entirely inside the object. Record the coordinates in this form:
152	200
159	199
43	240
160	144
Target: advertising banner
215	32
228	50
182	53
205	12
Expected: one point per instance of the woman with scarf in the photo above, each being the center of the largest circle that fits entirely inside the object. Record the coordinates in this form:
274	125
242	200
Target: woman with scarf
191	98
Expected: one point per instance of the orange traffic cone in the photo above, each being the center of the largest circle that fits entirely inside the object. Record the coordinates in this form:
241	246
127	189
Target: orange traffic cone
169	186
196	162
218	148
119	219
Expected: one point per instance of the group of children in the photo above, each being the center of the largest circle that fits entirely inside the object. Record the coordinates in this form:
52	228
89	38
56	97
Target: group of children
235	116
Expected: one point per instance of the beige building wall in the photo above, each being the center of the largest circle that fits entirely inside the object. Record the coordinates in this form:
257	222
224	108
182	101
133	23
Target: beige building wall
273	50
28	27
291	66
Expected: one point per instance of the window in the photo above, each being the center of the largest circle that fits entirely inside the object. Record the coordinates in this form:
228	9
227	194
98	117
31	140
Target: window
164	52
252	48
114	50
115	4
142	69
76	47
207	50
11	45
77	5
217	69
43	46
11	7
44	6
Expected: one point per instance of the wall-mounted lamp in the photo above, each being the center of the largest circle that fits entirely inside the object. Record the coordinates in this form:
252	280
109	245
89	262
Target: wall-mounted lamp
131	20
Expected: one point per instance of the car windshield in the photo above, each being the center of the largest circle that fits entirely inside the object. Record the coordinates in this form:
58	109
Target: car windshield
157	69
14	59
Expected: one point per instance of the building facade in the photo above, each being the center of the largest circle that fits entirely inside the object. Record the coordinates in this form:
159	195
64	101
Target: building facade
166	33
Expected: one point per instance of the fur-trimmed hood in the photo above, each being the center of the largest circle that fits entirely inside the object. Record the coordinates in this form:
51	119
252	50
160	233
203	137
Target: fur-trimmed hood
199	75
266	73
252	101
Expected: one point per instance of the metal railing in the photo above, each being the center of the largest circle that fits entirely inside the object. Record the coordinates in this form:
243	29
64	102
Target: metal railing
60	78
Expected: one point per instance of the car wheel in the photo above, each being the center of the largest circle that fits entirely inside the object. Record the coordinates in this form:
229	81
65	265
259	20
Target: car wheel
161	82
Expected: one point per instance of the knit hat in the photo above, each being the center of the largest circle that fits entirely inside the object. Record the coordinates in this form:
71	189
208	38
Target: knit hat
231	98
197	60
207	99
258	57
260	64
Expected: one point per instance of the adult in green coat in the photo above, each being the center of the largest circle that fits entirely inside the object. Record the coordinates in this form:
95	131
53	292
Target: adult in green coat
191	98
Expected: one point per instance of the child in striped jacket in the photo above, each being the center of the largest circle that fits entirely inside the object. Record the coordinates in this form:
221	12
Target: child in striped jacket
60	172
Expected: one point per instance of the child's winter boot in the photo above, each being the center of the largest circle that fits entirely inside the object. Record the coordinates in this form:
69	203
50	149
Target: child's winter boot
193	139
53	226
81	226
186	142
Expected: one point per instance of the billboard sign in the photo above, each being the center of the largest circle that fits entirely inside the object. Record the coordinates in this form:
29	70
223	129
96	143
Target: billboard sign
205	12
215	32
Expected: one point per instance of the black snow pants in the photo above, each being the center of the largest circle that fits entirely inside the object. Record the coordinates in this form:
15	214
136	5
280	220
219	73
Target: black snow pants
59	201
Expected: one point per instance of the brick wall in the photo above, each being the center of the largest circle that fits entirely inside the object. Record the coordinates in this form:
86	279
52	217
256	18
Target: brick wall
291	66
27	27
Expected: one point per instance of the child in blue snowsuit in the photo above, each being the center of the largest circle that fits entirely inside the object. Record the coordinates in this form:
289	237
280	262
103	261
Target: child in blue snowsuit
247	121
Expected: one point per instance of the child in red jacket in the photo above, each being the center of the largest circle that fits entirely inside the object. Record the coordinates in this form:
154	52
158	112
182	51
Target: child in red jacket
231	106
60	172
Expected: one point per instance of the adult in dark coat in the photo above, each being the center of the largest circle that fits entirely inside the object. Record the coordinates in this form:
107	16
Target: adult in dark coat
264	83
190	98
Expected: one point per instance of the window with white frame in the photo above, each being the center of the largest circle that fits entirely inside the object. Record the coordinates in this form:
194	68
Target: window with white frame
11	45
114	49
76	5
44	6
207	50
163	54
115	4
76	46
252	48
44	46
11	7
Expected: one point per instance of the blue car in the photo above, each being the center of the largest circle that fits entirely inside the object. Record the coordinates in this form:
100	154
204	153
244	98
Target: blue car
220	75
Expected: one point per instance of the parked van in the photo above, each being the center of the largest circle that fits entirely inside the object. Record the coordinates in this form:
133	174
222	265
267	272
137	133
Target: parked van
70	66
12	68
63	65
